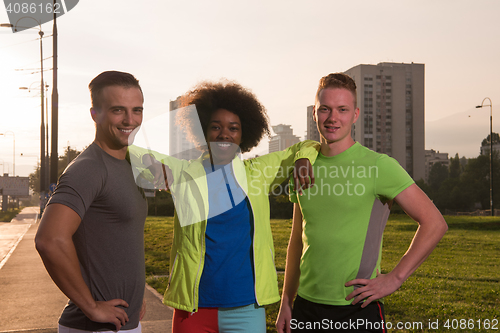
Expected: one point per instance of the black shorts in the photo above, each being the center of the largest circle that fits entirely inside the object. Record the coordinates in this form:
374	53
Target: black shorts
314	317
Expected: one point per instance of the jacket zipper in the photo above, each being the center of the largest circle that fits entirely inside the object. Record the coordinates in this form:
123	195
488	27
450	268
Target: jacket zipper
199	268
253	236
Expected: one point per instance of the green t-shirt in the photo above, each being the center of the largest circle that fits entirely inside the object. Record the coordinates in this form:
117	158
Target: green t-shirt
345	213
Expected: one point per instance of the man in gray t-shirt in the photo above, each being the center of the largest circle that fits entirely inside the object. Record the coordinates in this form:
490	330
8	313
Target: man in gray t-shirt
91	236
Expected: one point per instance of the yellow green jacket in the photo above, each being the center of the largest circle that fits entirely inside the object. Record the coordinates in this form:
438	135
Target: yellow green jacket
256	176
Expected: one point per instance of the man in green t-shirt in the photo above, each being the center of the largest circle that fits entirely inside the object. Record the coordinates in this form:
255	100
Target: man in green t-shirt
333	257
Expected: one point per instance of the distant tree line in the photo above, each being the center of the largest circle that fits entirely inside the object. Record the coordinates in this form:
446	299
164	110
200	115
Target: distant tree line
464	186
461	187
63	161
162	204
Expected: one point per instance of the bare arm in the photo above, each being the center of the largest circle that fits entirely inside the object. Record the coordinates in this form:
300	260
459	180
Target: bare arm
54	243
292	272
432	228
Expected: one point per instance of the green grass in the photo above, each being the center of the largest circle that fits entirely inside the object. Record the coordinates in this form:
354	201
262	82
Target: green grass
158	234
281	235
460	280
8	215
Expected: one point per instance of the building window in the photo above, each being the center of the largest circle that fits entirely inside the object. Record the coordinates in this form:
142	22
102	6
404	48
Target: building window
368	142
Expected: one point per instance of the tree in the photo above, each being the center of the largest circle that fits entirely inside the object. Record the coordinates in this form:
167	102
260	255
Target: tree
496	138
280	206
34	182
455	169
475	180
69	155
64	160
162	204
451	195
437	175
466	184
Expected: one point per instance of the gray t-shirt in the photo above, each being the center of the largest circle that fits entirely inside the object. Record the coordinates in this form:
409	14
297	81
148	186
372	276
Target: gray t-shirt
110	239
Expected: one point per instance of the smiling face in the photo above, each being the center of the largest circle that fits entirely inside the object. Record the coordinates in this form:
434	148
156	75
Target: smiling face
118	119
335	114
224	136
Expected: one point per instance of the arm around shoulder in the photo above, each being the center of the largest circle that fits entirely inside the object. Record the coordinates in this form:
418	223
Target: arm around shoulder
279	165
307	149
153	169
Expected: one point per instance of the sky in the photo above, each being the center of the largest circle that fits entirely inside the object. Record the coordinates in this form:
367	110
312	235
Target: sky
278	49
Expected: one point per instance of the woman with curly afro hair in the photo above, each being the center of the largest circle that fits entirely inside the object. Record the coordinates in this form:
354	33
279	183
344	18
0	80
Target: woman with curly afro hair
222	259
209	97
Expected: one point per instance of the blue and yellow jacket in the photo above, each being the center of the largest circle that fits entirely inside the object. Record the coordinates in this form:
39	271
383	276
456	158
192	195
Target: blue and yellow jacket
189	189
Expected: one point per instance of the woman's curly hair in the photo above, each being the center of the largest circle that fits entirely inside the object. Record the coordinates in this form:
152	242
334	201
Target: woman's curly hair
209	97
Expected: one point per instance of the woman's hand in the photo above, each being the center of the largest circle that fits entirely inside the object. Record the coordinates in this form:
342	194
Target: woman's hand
303	175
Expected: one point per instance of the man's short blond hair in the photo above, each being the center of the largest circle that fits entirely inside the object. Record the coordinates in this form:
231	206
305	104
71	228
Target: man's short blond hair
337	80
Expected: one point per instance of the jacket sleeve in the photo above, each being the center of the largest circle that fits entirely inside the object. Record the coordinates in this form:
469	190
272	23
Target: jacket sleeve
141	159
276	167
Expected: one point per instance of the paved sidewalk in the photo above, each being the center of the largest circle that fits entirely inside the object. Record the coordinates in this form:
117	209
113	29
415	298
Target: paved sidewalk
29	300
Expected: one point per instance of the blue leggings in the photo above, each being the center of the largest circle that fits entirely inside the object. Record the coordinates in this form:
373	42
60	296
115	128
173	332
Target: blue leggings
244	319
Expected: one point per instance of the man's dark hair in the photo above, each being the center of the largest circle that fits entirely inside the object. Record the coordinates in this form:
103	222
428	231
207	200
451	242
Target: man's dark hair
337	80
209	97
110	78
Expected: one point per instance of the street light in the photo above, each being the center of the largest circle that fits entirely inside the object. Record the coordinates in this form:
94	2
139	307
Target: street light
44	143
55	94
43	186
491	151
54	158
13	151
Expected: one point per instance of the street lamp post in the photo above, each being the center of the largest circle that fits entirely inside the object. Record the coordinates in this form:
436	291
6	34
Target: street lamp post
491	151
13	151
43	186
44	140
54	158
